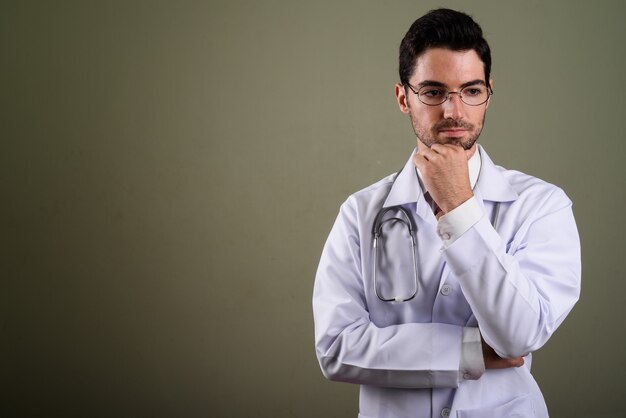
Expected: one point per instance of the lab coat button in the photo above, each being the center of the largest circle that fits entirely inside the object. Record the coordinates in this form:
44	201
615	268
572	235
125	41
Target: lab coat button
445	412
446	289
467	376
445	236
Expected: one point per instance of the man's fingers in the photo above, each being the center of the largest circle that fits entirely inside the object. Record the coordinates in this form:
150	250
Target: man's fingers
451	149
504	363
494	361
427	153
438	149
419	160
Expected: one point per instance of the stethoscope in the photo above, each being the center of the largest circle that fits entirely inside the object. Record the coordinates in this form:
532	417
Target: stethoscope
405	220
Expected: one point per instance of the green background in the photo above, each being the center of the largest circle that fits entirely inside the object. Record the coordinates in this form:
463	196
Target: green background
169	172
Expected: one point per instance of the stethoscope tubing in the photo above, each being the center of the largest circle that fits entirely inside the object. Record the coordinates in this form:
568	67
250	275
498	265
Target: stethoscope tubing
377	232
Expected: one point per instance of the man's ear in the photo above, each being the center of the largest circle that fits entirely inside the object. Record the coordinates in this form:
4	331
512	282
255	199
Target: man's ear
402	98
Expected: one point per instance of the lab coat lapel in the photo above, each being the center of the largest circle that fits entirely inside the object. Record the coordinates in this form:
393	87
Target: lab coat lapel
407	189
491	184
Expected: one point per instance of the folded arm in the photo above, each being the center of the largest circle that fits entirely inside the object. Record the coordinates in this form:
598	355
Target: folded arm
351	348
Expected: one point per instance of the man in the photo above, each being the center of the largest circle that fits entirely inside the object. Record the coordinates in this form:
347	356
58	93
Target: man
437	283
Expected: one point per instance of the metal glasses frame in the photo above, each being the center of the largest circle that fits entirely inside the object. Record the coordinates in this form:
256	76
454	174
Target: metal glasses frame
448	93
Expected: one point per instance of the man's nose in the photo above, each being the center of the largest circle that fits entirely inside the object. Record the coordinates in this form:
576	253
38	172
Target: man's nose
453	107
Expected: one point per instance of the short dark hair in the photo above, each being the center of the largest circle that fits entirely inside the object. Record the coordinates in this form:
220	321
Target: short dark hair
442	28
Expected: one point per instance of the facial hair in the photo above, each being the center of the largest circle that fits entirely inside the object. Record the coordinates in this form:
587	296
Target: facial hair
428	138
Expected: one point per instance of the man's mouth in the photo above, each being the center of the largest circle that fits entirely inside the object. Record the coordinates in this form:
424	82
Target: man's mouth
453	127
453	131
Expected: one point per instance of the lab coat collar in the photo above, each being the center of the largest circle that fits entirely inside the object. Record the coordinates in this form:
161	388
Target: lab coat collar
406	188
491	184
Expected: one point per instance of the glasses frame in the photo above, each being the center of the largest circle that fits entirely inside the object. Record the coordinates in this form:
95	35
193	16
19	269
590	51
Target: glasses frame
489	94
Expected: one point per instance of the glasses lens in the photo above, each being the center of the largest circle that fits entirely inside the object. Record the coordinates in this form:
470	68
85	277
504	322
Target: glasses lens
471	95
432	96
474	95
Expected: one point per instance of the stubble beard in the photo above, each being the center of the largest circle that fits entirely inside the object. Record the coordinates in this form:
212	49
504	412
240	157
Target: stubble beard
428	138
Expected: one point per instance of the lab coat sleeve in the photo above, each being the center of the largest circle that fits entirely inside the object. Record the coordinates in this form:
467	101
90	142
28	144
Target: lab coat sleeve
351	348
520	291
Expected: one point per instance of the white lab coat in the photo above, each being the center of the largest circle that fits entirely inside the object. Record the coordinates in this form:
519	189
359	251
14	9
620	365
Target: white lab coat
517	284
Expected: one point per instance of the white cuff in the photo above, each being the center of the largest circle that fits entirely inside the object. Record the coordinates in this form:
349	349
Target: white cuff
456	222
472	364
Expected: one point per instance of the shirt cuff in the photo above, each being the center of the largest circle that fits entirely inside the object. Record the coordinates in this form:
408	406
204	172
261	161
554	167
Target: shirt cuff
472	364
456	222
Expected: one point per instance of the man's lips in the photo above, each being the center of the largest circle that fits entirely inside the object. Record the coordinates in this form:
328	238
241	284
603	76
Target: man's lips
453	131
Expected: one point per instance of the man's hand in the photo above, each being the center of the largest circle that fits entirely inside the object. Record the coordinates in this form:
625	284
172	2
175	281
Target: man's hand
445	173
494	361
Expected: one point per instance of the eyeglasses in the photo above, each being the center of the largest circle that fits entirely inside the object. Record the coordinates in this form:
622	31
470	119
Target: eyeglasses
473	95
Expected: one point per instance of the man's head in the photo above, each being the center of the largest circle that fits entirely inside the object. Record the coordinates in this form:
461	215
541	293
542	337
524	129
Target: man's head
444	52
442	28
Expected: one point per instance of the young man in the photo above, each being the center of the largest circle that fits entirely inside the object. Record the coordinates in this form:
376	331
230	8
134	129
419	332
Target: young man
437	283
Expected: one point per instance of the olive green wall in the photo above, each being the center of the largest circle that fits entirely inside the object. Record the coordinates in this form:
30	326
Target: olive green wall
169	172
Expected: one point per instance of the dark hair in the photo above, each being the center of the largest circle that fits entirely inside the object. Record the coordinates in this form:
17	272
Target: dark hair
442	28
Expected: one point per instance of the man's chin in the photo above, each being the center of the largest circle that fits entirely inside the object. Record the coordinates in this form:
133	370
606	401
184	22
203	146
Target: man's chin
450	141
453	141
465	142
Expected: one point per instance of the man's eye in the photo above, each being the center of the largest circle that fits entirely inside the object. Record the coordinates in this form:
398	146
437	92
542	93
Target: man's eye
473	91
433	93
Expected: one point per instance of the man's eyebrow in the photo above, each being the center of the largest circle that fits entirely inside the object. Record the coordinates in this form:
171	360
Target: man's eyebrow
433	83
430	83
473	83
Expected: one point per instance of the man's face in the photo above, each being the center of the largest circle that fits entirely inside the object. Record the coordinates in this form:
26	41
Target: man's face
452	122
